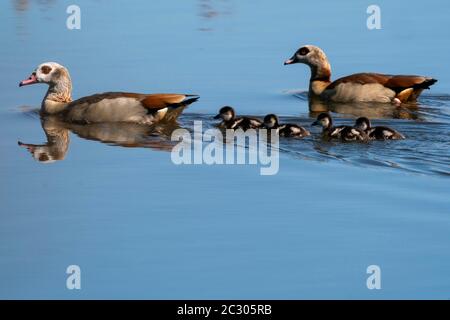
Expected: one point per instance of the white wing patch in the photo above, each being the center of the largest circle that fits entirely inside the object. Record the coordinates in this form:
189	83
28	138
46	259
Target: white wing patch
296	130
336	132
356	132
255	122
387	133
237	122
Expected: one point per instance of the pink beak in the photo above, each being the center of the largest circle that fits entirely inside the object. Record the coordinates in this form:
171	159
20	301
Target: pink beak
289	61
31	80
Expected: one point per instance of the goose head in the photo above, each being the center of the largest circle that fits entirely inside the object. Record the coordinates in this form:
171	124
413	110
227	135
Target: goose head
324	120
59	93
226	114
270	121
315	58
41	153
50	152
362	123
51	73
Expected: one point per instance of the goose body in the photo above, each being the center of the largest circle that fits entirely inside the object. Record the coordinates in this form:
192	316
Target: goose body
104	107
284	130
379	132
230	121
124	107
359	87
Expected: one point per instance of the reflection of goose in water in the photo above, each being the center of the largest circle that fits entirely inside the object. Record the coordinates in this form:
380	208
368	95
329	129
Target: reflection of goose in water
408	111
24	5
57	142
210	10
24	10
119	134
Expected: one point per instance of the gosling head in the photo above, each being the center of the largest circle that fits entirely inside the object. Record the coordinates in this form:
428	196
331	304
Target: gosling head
226	114
271	121
324	120
362	123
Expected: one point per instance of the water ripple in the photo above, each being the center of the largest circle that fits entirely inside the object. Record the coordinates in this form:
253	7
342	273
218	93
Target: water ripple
426	149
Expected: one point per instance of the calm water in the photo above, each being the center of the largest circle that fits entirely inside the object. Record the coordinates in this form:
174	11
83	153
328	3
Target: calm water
141	227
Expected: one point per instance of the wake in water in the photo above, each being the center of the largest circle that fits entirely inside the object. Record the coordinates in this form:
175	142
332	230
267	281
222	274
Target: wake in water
426	149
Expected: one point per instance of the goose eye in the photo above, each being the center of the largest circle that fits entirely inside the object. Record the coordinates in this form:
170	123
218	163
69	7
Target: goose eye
46	69
303	51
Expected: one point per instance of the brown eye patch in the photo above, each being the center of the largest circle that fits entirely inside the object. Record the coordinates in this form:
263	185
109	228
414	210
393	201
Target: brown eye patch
43	157
46	69
303	51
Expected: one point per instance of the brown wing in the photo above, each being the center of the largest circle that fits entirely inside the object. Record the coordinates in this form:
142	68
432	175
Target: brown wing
106	95
400	83
150	101
397	83
163	100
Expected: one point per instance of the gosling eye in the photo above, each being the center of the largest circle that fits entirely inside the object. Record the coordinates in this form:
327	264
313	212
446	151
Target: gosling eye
303	51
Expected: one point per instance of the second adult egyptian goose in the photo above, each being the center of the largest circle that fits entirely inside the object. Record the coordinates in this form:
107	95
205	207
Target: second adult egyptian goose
359	87
104	107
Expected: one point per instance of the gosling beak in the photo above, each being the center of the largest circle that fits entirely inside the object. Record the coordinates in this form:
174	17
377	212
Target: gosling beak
31	80
217	116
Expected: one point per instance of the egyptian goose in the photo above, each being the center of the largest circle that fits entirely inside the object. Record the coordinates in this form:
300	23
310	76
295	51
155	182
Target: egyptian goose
284	130
359	87
345	133
377	133
230	121
104	107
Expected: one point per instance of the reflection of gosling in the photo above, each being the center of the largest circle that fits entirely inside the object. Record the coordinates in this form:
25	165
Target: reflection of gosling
345	133
230	121
377	133
284	130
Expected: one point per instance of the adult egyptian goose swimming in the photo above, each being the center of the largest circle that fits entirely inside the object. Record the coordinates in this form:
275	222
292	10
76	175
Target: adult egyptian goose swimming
359	87
104	107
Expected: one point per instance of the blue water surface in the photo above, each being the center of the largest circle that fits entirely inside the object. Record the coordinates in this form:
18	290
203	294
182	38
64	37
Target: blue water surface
141	227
